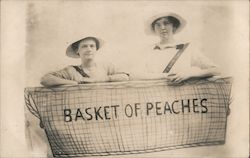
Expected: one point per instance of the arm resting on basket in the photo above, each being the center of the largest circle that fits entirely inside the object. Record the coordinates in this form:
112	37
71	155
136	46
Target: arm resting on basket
147	76
51	80
118	77
108	78
192	73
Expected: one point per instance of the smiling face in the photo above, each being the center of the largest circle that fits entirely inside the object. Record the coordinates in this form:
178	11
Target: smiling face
163	28
87	49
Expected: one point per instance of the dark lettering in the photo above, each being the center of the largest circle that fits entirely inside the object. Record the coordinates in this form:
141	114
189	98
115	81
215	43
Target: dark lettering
184	106
86	111
149	108
131	110
67	114
106	112
167	108
204	106
115	106
78	114
158	108
97	113
176	101
195	105
136	108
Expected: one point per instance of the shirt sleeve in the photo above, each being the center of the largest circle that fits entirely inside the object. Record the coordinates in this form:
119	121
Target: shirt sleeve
64	73
201	61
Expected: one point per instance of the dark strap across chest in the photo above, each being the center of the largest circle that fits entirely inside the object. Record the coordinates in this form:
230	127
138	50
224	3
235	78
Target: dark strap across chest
181	48
78	69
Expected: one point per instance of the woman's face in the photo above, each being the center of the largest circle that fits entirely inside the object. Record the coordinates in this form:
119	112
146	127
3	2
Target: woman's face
163	28
87	49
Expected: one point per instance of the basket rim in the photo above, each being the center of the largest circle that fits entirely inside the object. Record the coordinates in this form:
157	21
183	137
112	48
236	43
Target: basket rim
132	83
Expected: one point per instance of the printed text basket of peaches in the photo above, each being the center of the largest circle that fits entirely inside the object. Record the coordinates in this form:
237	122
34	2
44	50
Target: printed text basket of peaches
132	117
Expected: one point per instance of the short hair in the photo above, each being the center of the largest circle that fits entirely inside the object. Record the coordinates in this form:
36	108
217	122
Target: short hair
171	19
76	44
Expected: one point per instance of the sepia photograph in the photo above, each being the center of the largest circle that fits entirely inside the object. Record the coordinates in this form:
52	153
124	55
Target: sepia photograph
124	78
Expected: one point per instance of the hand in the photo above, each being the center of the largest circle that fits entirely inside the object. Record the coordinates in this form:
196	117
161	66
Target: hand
179	77
87	80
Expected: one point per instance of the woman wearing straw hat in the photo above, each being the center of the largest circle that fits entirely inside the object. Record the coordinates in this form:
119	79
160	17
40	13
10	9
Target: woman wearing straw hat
175	61
89	71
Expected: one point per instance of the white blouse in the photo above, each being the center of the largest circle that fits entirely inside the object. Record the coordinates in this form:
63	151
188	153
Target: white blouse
158	57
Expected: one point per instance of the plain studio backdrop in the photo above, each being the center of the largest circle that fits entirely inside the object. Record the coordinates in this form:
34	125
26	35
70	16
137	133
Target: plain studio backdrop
35	35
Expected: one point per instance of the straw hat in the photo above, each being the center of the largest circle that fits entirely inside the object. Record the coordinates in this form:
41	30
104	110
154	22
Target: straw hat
149	22
71	52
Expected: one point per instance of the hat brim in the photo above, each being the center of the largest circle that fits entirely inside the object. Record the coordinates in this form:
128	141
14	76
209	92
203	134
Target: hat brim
148	25
70	52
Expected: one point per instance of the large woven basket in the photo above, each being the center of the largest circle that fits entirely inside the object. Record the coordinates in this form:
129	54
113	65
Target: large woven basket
131	117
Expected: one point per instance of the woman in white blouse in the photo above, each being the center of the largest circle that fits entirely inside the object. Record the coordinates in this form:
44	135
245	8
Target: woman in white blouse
170	59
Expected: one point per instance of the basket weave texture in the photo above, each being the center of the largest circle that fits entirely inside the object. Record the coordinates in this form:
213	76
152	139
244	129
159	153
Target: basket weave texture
131	117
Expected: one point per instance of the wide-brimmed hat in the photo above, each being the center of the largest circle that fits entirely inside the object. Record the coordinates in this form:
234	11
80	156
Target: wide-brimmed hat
149	28
72	48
